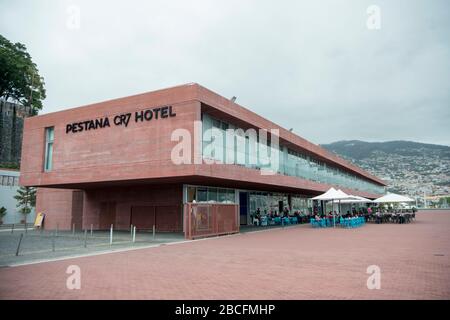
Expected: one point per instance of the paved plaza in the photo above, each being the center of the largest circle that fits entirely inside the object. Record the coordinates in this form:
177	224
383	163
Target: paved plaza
292	263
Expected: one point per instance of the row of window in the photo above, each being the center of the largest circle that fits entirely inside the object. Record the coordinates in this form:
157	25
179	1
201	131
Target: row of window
249	151
10	181
266	201
208	194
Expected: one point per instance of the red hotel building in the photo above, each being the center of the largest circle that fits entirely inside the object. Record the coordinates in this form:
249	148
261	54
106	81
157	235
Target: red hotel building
110	163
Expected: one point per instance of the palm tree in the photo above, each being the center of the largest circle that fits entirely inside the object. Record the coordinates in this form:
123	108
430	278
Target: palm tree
26	200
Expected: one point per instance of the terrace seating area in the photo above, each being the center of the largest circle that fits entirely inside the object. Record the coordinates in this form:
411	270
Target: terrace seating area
327	222
392	216
274	220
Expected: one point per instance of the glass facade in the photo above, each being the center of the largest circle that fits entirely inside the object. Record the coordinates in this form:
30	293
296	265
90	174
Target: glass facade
248	148
267	202
300	204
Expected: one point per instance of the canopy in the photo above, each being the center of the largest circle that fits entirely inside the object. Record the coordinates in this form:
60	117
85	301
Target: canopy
355	199
392	197
344	196
333	194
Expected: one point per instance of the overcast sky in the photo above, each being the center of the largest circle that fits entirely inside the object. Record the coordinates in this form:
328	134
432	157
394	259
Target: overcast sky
313	66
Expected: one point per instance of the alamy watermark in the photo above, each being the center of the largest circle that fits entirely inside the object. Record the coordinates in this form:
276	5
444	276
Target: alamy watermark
374	280
256	148
374	17
73	281
73	20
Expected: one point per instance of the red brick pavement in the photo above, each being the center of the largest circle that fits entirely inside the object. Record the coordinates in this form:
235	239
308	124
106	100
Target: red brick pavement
294	263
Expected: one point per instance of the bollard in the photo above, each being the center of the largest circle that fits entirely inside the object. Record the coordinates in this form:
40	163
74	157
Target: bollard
131	230
153	232
85	238
57	227
111	236
134	234
53	241
12	228
73	229
26	231
18	245
92	229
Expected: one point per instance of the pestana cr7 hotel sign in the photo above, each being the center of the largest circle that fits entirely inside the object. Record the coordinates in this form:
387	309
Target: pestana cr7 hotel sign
121	119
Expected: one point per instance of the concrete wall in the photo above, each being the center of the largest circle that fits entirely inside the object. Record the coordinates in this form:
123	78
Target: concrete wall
62	207
142	150
163	203
102	207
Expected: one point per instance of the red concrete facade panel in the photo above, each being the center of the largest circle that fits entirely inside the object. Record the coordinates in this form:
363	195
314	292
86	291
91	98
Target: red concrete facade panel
32	159
58	206
141	150
135	200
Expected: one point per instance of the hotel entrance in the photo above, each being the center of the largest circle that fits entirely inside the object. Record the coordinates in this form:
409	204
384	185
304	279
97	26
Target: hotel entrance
243	207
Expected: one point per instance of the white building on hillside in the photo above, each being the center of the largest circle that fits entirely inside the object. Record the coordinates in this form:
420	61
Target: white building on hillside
9	183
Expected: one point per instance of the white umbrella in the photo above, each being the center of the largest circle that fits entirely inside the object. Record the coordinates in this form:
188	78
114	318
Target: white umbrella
355	199
392	197
333	194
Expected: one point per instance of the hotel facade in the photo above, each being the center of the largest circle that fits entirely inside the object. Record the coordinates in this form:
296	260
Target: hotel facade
145	160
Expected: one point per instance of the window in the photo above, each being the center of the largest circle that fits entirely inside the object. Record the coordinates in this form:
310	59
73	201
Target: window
212	194
202	194
49	136
191	194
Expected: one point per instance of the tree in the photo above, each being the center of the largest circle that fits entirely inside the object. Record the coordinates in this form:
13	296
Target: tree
19	76
26	200
2	214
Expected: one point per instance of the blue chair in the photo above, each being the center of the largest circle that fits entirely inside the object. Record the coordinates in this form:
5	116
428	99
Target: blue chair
286	221
348	223
329	222
314	223
294	220
277	220
264	221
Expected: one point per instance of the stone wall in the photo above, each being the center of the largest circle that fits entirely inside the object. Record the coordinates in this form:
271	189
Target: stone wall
11	128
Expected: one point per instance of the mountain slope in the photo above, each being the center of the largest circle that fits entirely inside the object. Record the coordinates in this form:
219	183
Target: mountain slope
408	167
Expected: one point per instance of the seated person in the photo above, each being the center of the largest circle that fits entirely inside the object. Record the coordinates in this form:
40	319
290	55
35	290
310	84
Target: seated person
378	217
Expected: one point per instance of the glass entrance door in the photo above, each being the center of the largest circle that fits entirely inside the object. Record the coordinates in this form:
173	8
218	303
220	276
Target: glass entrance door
243	207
